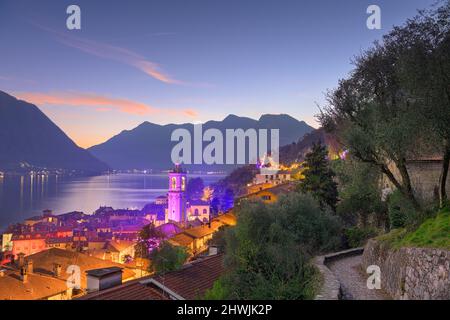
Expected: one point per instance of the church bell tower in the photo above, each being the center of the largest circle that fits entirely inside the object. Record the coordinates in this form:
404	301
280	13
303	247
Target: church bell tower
177	195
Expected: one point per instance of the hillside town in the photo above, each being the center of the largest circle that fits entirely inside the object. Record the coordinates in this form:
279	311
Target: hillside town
136	161
38	255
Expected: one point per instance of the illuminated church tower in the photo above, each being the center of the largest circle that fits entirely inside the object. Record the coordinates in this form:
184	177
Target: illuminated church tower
177	195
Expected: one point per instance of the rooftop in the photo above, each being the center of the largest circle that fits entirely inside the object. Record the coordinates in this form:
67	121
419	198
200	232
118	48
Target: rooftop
190	282
99	273
182	240
120	245
44	260
37	286
204	230
198	202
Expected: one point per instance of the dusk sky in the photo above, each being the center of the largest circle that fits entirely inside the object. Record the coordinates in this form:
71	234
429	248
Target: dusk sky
182	61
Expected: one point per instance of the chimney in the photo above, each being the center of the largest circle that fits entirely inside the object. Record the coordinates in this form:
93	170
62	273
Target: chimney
23	274
102	279
21	259
213	250
29	265
56	270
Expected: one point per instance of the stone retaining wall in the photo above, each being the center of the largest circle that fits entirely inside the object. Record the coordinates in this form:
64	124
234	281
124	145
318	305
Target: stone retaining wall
410	273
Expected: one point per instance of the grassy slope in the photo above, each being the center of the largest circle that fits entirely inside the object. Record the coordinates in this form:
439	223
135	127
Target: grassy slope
434	233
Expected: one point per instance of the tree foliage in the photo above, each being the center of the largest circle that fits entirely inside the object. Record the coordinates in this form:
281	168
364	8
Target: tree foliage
149	238
423	45
319	178
397	86
168	258
359	193
269	249
194	188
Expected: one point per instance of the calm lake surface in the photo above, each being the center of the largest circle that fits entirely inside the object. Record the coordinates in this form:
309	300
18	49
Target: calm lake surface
25	196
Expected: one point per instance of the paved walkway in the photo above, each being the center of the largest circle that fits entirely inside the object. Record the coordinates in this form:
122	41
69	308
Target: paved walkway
353	282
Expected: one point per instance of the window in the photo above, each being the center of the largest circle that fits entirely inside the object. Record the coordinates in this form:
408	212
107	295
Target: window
196	212
205	211
266	198
174	183
183	183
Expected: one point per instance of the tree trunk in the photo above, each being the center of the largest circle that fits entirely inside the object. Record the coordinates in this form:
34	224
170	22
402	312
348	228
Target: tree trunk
444	174
407	189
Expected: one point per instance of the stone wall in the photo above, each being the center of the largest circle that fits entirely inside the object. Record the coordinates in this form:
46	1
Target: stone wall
410	273
424	175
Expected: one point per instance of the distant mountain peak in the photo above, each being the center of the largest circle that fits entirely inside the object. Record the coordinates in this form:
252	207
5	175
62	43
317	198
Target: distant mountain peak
30	136
148	146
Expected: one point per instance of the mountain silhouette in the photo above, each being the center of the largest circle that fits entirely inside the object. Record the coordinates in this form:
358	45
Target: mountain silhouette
149	145
30	140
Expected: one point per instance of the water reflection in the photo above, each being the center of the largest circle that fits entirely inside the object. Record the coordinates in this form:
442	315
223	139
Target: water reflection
24	196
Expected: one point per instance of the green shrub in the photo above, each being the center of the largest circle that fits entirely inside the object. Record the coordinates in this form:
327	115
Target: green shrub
356	237
217	292
168	258
401	211
268	252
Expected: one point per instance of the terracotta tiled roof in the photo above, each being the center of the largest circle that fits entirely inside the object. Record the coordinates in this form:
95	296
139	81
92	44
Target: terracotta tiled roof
200	232
279	189
182	240
227	218
121	245
59	240
169	229
44	260
37	286
191	282
132	290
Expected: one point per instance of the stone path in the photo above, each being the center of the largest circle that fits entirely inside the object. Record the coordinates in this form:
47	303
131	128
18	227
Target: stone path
353	282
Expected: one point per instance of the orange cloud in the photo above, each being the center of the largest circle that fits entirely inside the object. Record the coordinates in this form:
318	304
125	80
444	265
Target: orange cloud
100	103
191	113
115	53
152	70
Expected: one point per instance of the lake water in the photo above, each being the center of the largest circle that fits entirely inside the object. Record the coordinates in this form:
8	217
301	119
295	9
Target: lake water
22	197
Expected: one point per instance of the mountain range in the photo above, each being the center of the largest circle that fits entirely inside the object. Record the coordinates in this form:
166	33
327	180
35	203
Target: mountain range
149	145
30	140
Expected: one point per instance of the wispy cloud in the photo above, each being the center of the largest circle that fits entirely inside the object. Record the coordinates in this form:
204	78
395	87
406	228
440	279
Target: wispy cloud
99	102
115	53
